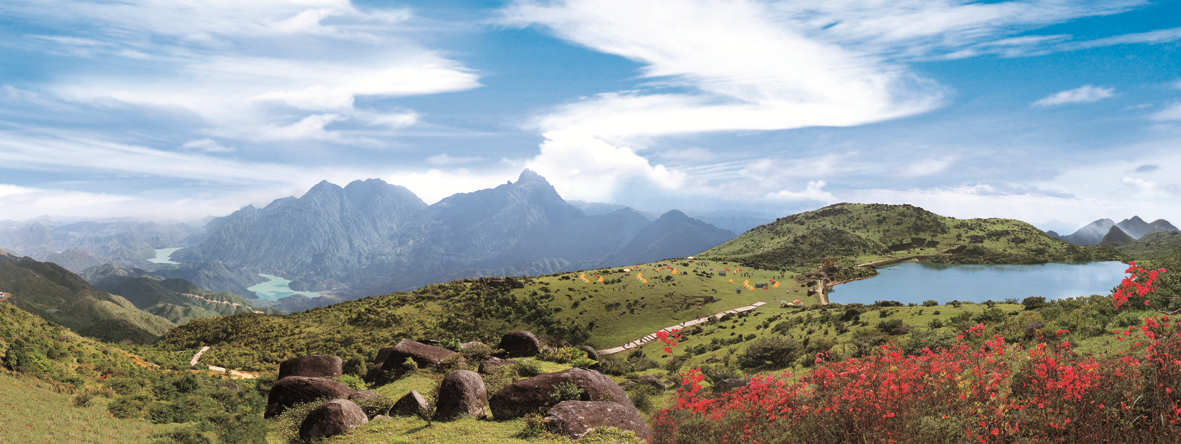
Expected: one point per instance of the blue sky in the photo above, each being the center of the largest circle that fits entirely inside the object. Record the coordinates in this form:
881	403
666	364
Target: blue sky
178	109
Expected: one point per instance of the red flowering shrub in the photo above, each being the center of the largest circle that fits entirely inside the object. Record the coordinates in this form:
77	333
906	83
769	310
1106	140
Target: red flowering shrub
978	389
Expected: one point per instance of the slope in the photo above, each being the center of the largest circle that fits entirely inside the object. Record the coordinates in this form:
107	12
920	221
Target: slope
672	235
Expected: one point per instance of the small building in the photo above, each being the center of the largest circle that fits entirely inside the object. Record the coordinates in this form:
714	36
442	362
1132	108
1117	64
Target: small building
828	262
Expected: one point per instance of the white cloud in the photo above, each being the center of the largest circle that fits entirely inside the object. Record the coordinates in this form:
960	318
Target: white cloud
584	167
245	67
1171	112
926	167
814	192
447	159
1082	94
208	146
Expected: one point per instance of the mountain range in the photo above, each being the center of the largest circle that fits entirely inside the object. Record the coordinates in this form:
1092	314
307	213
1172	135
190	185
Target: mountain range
371	237
1095	232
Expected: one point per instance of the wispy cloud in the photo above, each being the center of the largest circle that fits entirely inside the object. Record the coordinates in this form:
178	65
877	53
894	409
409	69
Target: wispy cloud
1082	94
447	159
243	68
1171	111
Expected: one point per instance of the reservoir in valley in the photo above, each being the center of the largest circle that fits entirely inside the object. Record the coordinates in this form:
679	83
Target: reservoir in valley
273	289
162	256
920	281
277	288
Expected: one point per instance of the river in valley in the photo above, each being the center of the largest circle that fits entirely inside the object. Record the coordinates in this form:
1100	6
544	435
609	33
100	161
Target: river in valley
920	281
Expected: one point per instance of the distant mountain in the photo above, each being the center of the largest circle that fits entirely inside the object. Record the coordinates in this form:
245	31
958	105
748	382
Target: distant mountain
80	245
672	235
735	221
1116	237
179	300
54	293
1093	233
371	237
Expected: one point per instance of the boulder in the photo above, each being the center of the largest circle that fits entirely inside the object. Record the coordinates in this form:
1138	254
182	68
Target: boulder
316	366
573	419
730	384
462	393
590	351
519	344
228	385
424	355
330	419
410	405
466	345
533	394
489	365
296	389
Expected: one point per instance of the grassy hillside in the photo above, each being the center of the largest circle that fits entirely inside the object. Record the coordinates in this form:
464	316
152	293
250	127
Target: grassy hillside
58	295
863	233
602	314
179	300
35	413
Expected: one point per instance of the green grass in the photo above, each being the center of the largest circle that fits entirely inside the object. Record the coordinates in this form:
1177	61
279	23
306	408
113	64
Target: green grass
462	431
31	412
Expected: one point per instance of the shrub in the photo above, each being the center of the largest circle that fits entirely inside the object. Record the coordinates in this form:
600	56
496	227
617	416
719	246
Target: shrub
889	325
930	303
770	352
1034	302
567	391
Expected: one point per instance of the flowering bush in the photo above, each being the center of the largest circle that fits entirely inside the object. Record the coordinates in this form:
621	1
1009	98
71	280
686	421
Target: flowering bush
977	389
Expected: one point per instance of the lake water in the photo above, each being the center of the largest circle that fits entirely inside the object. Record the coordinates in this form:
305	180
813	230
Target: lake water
162	256
277	288
920	281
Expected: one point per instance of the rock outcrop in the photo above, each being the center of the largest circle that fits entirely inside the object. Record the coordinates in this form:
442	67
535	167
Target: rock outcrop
332	418
534	394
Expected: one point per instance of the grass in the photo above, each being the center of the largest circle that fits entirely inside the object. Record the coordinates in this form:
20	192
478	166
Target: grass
462	431
33	413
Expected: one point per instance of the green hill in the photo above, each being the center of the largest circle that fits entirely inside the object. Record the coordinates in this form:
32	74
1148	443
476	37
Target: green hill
863	233
1153	245
54	293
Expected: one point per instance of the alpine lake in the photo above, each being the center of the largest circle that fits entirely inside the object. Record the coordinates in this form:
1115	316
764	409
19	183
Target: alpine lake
915	282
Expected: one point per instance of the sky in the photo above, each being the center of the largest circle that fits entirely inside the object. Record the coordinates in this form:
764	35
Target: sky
1050	111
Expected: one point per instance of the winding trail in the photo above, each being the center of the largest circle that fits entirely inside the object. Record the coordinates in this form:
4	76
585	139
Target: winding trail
652	337
234	374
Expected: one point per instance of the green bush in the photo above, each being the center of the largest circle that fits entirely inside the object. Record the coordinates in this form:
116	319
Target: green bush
1034	302
889	325
930	303
126	408
772	352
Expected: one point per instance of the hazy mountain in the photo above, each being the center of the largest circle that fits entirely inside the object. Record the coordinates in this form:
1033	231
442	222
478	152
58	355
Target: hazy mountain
672	235
373	238
54	293
327	232
1116	237
735	221
1093	233
80	245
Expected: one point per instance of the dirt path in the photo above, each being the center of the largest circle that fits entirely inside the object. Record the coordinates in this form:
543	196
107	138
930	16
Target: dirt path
652	337
234	374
